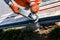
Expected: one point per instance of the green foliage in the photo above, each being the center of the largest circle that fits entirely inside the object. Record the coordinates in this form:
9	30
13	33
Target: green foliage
28	34
19	34
1	31
55	34
10	35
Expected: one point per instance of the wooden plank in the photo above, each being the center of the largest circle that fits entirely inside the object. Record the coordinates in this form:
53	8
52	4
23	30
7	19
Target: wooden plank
45	11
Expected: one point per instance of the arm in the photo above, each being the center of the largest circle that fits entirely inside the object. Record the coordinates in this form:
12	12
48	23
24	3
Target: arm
12	6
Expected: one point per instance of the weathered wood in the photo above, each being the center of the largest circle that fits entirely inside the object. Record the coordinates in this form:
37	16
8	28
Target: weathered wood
50	10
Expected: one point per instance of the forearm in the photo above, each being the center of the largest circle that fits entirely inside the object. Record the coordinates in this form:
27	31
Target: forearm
12	6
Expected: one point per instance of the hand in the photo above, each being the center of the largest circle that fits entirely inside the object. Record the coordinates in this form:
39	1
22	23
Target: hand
14	8
34	7
57	23
7	1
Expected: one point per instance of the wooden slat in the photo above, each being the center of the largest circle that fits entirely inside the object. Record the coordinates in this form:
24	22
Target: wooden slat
49	6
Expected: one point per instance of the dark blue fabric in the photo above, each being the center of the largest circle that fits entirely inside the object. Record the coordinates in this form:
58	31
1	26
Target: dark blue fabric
6	1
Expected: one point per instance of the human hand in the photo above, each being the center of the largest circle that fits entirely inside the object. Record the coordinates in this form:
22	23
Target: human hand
57	23
34	7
